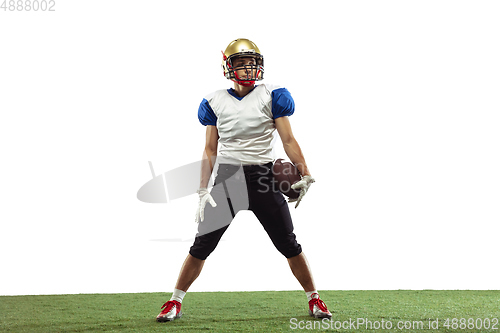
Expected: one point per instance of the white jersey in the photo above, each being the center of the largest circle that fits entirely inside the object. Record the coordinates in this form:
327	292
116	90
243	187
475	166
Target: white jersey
246	124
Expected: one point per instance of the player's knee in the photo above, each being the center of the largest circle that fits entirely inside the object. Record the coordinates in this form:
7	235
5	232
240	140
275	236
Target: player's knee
203	250
202	255
286	244
289	249
203	246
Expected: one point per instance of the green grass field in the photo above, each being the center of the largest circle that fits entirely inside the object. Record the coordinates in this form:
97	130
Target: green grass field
267	311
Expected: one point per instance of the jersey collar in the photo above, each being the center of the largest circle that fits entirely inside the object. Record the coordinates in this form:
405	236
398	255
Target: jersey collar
233	93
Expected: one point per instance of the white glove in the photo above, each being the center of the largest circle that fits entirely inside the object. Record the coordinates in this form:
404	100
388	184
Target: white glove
204	197
302	185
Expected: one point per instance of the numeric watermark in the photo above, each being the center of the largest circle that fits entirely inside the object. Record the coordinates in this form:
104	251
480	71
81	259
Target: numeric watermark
28	5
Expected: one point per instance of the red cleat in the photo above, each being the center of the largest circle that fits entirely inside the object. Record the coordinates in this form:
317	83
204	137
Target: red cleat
317	308
171	310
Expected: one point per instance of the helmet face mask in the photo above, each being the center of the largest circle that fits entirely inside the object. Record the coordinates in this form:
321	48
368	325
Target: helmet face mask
244	72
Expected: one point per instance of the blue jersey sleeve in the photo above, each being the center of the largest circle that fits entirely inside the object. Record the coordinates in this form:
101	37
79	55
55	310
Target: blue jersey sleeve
206	115
283	104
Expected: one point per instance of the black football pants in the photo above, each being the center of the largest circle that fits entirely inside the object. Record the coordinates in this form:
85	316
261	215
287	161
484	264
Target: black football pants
248	187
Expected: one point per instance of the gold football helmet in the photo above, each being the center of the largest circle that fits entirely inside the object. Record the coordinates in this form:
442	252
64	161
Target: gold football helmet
243	48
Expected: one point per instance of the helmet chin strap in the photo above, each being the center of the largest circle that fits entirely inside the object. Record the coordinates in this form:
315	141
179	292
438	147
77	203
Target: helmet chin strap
245	83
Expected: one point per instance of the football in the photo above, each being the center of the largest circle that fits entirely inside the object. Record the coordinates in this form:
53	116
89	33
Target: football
285	175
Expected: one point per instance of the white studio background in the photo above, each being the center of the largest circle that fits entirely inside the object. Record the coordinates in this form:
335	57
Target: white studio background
397	112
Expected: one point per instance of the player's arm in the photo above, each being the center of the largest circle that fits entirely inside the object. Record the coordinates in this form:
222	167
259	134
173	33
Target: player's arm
292	148
209	155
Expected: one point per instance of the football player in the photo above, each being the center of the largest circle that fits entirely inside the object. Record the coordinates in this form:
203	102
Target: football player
240	123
